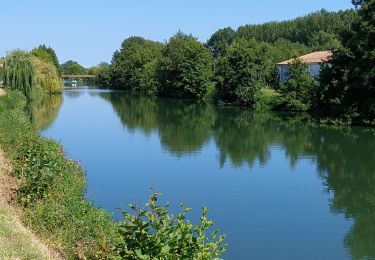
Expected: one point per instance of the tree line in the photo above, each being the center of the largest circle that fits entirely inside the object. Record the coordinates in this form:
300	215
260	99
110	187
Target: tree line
238	66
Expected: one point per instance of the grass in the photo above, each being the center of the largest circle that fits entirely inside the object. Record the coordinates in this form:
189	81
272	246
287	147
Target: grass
17	242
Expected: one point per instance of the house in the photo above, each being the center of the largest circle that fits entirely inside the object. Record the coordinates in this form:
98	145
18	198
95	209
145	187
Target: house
313	61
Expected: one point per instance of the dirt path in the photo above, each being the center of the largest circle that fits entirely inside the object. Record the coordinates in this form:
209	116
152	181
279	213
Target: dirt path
16	241
2	92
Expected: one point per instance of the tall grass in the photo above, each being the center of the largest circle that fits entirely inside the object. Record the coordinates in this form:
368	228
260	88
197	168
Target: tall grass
19	72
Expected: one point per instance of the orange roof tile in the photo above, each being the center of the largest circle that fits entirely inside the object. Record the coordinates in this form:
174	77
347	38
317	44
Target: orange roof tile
315	57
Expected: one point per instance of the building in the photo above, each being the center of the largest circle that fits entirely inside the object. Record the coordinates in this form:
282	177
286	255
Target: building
313	61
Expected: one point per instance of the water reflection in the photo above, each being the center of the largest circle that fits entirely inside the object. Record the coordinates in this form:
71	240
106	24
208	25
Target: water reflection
44	113
344	158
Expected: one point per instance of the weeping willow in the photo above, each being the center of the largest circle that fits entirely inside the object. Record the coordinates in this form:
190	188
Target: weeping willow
47	76
19	72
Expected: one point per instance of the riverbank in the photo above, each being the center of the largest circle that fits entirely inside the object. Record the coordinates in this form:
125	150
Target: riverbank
51	197
16	240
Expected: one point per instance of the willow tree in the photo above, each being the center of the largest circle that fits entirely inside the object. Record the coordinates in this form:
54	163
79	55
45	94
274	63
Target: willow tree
19	72
47	76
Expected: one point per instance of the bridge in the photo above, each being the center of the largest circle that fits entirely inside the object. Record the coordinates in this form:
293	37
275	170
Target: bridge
78	76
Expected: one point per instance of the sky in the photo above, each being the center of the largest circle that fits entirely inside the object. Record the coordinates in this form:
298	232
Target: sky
89	31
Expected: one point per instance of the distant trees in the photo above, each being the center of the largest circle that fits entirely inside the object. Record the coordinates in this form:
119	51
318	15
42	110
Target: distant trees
133	63
236	66
184	68
72	68
102	74
301	29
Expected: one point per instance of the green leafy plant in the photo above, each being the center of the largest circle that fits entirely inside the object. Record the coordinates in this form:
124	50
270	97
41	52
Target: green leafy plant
153	233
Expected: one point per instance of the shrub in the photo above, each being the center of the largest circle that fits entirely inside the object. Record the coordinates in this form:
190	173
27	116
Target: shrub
153	233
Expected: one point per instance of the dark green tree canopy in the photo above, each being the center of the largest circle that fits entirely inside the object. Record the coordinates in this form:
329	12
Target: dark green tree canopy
185	68
300	29
130	63
243	70
46	54
72	68
220	40
347	84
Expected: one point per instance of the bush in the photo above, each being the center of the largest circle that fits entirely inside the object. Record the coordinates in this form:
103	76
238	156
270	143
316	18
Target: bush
153	233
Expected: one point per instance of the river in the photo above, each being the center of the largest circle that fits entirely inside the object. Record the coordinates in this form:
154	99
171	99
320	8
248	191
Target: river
279	187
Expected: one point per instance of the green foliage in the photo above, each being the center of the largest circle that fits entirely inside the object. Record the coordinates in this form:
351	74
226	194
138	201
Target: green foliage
102	74
52	189
133	63
185	68
72	68
46	54
47	76
301	29
153	233
347	83
266	99
19	72
297	91
220	40
52	193
243	71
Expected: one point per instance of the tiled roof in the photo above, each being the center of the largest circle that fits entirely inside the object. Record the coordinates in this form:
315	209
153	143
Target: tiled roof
315	57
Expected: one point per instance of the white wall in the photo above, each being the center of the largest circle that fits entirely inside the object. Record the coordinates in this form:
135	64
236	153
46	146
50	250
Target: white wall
313	69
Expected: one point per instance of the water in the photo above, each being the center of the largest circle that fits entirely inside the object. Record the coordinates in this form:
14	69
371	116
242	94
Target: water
278	187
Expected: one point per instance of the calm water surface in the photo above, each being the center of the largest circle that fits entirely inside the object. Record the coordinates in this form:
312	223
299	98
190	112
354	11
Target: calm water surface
278	187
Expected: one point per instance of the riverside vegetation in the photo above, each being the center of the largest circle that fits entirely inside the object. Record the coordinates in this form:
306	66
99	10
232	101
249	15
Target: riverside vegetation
239	67
52	196
52	188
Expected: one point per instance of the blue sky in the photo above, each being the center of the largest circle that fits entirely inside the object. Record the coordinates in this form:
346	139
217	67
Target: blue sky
90	31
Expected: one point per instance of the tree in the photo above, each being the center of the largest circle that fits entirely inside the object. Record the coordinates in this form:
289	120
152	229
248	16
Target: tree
72	68
220	40
297	90
243	71
46	75
132	62
19	72
185	68
102	73
46	54
347	83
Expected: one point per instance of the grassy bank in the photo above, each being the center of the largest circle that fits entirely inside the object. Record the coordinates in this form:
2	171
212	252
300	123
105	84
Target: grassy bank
51	190
51	194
